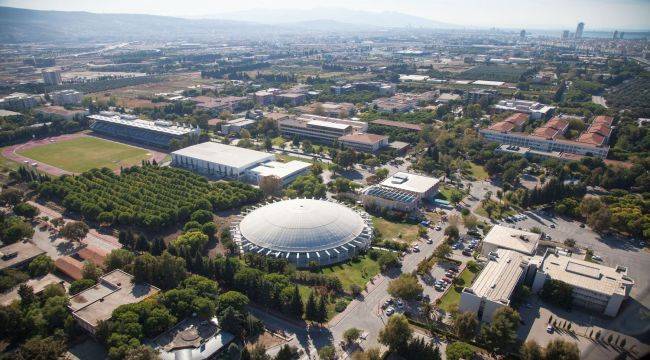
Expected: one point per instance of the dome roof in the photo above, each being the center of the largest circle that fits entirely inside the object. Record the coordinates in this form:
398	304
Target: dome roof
301	225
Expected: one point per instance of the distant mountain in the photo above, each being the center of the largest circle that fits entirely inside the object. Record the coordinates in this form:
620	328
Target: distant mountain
19	25
337	15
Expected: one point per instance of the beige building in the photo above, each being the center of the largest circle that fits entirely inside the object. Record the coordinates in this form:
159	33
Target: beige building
364	142
503	237
113	290
595	286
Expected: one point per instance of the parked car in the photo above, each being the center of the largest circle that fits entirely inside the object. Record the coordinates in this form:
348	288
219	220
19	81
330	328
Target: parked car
596	258
429	241
390	311
549	329
400	304
467	252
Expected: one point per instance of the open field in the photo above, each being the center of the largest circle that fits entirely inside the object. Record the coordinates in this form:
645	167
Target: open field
395	231
80	154
358	272
478	172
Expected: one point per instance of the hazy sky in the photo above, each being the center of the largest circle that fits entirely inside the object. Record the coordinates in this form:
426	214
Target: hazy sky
597	14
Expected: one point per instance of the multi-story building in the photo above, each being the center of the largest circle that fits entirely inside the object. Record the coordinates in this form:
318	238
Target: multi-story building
237	125
596	287
364	142
579	30
402	192
66	97
19	101
565	34
293	99
495	285
478	95
52	77
503	237
534	109
319	128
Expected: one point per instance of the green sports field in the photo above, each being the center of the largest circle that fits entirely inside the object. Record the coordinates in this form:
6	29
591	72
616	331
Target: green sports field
84	153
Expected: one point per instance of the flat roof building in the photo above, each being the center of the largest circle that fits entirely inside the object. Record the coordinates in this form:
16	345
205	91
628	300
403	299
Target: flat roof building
503	237
494	286
397	124
113	290
536	110
402	192
319	128
419	185
595	286
66	97
286	172
364	142
237	125
18	254
220	160
157	133
192	339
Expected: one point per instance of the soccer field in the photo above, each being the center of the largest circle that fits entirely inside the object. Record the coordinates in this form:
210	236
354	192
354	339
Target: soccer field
84	153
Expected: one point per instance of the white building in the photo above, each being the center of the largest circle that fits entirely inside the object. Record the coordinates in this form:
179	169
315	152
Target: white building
596	287
364	142
494	286
423	187
534	109
158	133
319	128
503	237
19	101
66	97
237	125
287	172
223	161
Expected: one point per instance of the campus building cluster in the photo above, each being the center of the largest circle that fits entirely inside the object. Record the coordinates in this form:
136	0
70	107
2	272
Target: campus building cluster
548	140
400	192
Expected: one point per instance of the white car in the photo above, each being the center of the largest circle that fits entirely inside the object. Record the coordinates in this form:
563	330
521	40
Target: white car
438	228
390	311
596	258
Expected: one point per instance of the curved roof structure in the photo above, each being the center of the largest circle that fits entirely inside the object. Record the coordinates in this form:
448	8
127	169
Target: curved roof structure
311	227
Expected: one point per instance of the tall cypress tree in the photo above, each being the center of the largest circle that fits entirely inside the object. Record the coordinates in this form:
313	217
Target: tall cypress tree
311	311
322	311
296	307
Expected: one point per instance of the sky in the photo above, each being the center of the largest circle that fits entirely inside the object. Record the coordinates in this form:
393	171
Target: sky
539	14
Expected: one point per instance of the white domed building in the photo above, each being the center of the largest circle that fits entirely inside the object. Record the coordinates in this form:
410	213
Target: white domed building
303	231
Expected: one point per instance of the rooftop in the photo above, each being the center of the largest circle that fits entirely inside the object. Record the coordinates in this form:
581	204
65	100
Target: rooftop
227	155
499	277
280	169
363	138
587	275
397	124
37	284
192	339
410	182
144	124
508	238
70	267
112	291
390	194
23	250
5	113
93	254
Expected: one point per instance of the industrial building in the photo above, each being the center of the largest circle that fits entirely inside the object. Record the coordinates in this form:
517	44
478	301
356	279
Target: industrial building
494	286
96	304
595	286
503	237
305	232
157	133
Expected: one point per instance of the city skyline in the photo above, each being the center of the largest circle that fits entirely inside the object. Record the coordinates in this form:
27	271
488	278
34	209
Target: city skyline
546	14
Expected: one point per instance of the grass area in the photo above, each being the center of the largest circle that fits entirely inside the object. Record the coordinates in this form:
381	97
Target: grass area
278	141
452	297
7	163
390	230
84	153
478	172
446	191
357	271
499	211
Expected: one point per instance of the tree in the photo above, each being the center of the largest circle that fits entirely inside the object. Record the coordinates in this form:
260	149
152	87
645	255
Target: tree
118	259
258	353
600	220
368	354
455	197
530	350
311	308
80	285
26	210
327	353
351	335
26	294
296	307
396	334
459	350
142	352
451	231
201	216
442	251
465	325
381	174
570	242
387	259
40	266
321	311
91	271
10	196
502	331
561	349
41	349
233	299
270	185
287	352
406	287
75	230
422	231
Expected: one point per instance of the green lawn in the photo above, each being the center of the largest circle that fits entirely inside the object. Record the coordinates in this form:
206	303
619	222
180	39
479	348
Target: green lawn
84	153
357	271
452	297
446	191
478	172
278	141
498	213
390	230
